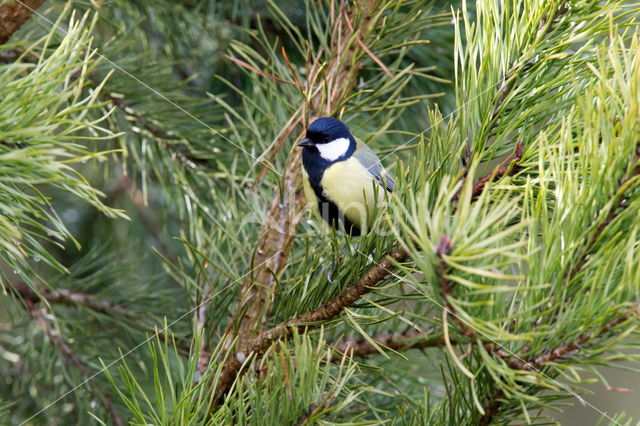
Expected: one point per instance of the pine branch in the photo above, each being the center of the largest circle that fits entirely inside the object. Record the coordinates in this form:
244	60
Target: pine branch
175	142
508	166
168	139
281	138
517	361
443	249
261	343
40	315
258	71
562	351
497	399
13	15
258	345
618	202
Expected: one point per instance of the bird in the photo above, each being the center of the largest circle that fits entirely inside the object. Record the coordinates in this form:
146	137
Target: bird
339	175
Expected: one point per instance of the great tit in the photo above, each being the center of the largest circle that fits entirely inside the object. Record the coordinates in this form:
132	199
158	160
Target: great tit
340	174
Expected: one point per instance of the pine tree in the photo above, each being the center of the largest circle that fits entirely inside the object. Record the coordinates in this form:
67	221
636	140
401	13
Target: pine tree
158	264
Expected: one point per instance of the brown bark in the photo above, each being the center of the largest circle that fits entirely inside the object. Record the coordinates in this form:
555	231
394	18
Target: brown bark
14	14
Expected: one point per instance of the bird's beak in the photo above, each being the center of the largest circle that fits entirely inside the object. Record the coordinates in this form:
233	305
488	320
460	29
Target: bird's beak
306	142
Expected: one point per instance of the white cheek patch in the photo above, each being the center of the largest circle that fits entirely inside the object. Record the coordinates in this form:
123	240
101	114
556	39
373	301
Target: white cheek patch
333	150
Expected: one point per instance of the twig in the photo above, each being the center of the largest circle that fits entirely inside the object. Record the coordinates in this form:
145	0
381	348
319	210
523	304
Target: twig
563	350
411	339
9	56
142	121
172	141
69	297
307	415
201	317
365	48
327	398
13	15
492	407
281	138
508	166
443	249
39	314
259	72
291	70
506	87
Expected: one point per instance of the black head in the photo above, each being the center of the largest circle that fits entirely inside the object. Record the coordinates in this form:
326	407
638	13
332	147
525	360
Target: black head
327	140
327	129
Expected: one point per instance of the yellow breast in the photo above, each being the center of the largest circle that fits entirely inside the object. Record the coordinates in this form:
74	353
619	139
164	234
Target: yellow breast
312	200
351	187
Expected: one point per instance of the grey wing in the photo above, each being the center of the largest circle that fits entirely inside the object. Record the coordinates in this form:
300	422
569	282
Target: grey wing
370	160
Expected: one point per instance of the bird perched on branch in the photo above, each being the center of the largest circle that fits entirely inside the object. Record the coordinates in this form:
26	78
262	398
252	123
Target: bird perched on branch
340	175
